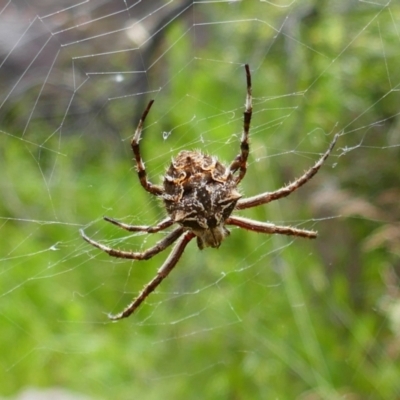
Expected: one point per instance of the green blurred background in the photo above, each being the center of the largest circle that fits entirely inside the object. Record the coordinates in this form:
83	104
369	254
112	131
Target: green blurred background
263	316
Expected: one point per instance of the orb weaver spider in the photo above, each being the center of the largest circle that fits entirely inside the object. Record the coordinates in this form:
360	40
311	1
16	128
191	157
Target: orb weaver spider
199	195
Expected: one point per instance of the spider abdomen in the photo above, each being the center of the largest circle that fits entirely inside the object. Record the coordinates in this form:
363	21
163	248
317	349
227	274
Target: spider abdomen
200	193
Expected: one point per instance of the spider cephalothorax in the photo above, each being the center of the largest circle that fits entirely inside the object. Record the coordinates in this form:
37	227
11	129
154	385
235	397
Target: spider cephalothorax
200	195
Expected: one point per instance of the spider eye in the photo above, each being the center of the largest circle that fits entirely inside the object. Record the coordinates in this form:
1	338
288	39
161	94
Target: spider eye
212	222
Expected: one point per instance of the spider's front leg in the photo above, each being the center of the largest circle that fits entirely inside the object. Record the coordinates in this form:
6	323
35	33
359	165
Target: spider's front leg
166	223
162	273
265	227
131	255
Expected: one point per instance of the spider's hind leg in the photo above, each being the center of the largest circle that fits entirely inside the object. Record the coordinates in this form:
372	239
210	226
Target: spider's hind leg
240	162
141	170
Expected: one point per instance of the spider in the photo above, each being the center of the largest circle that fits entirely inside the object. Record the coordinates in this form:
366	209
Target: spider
199	195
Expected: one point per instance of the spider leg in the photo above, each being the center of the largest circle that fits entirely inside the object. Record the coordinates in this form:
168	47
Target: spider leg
286	190
131	255
167	222
264	227
162	273
147	185
240	162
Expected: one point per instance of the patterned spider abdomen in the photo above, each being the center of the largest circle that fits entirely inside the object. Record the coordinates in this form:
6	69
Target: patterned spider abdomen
200	194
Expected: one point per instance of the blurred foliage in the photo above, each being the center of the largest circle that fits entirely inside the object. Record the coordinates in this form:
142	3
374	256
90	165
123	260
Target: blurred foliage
262	317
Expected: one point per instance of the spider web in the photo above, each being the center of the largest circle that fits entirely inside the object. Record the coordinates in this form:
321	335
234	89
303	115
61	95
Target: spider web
262	316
